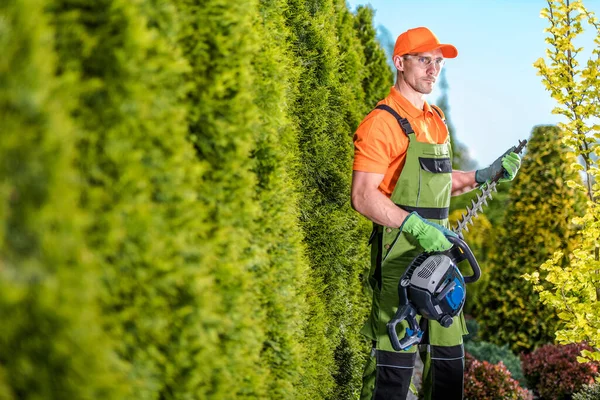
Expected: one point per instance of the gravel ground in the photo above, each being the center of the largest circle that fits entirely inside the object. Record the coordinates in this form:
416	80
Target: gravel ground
417	374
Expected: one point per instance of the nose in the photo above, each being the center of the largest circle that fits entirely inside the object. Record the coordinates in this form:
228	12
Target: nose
433	69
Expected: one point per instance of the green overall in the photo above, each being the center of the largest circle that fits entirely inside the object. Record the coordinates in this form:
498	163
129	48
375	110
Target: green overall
424	186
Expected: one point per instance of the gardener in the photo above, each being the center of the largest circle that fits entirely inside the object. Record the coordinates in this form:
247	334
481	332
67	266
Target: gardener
402	181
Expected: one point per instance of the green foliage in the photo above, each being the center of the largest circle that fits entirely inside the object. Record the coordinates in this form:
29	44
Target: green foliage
480	239
461	159
492	353
51	341
281	267
574	289
328	113
139	186
175	198
588	392
387	41
494	211
473	328
509	310
376	74
218	41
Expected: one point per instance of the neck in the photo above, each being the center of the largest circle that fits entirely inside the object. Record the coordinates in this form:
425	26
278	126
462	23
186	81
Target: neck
416	98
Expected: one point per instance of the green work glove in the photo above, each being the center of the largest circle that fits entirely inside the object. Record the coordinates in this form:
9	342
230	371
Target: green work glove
509	162
431	236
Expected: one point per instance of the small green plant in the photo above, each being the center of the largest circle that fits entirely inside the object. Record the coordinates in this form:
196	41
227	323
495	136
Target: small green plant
473	328
588	392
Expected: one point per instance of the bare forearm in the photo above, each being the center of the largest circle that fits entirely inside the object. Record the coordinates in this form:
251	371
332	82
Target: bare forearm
463	182
379	208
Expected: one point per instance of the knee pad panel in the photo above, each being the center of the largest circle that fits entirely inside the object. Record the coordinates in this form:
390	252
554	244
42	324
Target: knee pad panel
394	372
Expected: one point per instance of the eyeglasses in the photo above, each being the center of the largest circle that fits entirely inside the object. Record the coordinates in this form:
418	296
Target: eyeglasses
425	62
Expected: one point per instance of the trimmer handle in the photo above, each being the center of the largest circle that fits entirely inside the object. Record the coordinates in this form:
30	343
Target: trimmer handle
518	149
413	333
461	251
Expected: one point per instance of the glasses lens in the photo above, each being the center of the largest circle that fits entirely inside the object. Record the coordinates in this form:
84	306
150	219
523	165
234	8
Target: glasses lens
425	62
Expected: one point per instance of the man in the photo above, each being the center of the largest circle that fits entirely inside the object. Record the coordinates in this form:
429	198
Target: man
402	181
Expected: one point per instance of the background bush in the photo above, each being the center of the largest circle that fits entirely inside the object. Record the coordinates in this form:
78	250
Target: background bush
473	328
484	380
492	353
554	372
588	392
508	309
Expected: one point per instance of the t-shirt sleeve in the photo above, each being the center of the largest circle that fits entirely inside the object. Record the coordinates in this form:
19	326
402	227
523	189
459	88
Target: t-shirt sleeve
374	146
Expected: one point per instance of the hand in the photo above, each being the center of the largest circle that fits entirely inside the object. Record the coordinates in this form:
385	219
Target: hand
509	163
431	236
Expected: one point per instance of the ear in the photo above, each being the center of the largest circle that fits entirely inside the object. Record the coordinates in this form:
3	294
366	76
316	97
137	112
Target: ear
398	63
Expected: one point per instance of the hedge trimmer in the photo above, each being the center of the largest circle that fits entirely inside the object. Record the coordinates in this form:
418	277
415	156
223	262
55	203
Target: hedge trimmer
482	198
432	285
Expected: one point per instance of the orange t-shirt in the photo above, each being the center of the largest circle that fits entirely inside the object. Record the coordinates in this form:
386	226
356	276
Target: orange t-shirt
380	144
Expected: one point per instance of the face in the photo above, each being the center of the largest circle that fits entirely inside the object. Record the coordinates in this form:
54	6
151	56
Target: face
416	74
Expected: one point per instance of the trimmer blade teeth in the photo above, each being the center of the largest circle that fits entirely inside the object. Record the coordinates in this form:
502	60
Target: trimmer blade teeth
487	189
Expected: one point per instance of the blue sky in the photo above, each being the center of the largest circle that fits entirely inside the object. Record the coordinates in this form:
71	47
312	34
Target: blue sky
495	96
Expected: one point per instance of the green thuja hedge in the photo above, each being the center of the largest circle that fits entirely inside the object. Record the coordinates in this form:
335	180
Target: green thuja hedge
219	43
280	269
376	76
328	108
175	215
52	343
537	223
141	187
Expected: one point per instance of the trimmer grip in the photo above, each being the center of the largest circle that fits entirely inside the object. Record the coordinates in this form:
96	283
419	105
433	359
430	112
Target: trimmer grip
466	253
391	326
413	333
410	338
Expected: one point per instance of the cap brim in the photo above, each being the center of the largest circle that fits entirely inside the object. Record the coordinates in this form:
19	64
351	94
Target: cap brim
448	51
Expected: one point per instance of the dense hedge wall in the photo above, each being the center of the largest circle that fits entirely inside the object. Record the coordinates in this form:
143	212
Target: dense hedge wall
52	342
174	180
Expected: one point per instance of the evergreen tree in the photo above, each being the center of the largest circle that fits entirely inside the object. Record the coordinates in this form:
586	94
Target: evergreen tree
387	41
537	223
460	153
376	76
281	269
329	105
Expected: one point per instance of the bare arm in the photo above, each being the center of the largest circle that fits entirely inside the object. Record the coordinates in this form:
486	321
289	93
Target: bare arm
463	182
370	202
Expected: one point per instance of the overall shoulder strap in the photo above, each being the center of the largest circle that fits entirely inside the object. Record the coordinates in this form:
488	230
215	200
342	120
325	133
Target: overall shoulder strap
403	122
439	112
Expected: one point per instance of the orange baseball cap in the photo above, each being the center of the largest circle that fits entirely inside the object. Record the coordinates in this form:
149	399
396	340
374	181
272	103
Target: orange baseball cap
421	39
